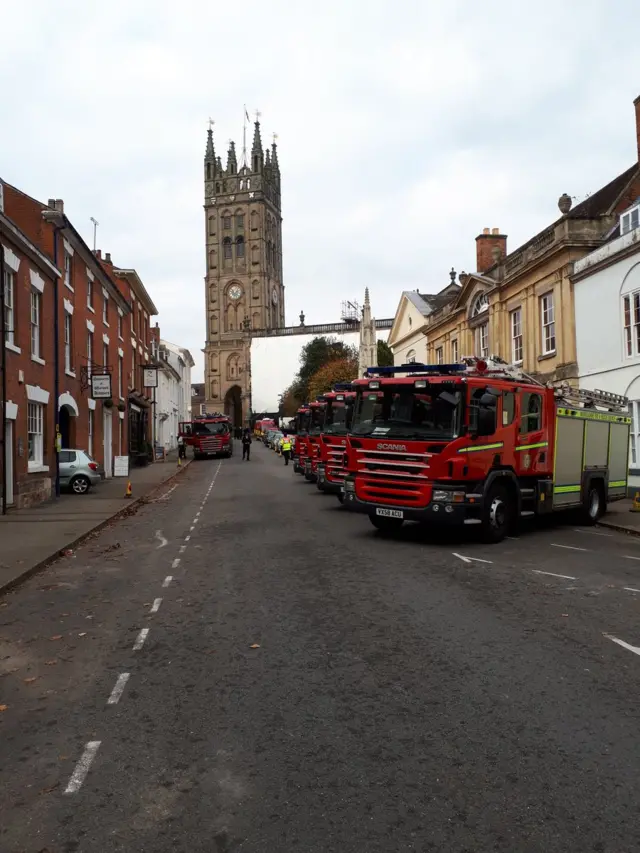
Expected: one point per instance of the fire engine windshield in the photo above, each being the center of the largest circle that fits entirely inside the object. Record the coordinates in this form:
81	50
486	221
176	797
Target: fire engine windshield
302	423
338	417
316	419
404	411
203	428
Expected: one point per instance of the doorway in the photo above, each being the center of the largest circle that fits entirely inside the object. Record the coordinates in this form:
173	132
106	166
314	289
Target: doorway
107	436
8	462
233	405
66	422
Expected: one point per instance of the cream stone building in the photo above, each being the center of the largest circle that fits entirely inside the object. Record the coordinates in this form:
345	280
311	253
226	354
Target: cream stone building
520	306
243	286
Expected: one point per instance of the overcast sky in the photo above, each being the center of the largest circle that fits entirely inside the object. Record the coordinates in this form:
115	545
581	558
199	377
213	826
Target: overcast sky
405	127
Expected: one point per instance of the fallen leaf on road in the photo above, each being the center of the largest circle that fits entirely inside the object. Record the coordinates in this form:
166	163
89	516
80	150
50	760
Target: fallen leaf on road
84	634
4	604
564	614
255	646
63	757
50	789
50	662
57	637
3	707
29	680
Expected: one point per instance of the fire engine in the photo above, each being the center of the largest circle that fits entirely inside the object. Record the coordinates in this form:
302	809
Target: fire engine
209	435
333	439
311	445
299	426
481	443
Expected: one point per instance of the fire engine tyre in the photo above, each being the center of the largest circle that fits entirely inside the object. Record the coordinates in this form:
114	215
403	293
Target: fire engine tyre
593	507
386	526
497	515
341	497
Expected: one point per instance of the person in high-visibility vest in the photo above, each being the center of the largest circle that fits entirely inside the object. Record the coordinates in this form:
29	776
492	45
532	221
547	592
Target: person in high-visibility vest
286	449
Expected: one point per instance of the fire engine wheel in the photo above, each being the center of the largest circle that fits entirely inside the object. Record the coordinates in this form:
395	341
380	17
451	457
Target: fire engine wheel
341	497
593	506
497	515
385	525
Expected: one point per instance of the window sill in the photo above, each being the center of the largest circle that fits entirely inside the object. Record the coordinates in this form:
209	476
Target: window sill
37	468
91	308
546	355
68	286
70	373
37	359
104	323
12	347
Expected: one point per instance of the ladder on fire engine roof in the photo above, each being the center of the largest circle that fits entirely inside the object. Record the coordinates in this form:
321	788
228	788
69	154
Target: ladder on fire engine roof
497	366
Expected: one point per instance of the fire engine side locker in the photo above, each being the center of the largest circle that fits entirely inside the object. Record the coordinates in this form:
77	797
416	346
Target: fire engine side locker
589	442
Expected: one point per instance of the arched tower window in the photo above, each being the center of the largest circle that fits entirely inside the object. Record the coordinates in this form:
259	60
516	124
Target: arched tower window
218	187
239	247
254	220
480	305
226	245
208	171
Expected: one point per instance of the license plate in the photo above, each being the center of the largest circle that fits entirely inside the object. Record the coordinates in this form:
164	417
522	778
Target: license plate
390	513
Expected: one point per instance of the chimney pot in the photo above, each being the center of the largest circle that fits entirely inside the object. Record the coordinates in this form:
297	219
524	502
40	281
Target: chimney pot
485	231
495	230
97	253
52	203
107	257
59	205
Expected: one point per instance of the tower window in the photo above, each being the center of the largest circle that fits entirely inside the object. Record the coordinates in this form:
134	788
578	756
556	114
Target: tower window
226	243
208	171
255	162
240	221
226	222
218	187
240	247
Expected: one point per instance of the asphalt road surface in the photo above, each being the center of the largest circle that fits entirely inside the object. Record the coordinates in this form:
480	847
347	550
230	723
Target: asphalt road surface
244	666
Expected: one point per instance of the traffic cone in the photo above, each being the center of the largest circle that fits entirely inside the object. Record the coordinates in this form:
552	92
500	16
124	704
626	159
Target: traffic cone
128	493
635	507
179	462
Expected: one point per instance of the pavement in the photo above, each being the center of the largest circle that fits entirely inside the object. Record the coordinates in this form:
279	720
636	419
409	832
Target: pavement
270	674
620	517
63	523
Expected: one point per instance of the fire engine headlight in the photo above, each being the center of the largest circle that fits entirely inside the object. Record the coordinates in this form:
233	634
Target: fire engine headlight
446	496
349	486
320	468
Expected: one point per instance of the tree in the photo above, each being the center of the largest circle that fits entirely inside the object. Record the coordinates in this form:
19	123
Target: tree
385	354
290	402
337	370
317	353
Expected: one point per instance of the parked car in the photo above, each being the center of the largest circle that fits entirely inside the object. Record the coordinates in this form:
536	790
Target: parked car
78	471
273	441
267	437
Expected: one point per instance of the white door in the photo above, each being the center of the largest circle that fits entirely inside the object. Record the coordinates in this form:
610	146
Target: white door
8	456
107	433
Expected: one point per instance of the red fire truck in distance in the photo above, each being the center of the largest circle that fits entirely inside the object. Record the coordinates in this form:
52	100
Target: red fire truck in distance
312	443
299	427
209	435
333	439
481	444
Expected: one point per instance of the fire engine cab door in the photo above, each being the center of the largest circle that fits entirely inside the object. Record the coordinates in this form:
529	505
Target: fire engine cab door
531	450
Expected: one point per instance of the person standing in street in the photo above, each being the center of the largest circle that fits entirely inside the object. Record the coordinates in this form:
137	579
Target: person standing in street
246	445
286	449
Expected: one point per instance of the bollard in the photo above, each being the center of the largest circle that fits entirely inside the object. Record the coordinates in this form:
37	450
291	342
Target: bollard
635	506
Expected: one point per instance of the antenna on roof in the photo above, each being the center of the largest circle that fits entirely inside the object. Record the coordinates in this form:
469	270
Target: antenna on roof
95	228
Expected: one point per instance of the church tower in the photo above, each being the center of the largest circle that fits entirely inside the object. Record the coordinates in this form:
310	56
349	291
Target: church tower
368	352
243	285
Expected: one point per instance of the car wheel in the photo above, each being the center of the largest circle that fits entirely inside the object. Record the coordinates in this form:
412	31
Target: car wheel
80	485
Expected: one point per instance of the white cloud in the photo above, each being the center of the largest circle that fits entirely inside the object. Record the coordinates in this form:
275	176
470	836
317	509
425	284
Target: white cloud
404	129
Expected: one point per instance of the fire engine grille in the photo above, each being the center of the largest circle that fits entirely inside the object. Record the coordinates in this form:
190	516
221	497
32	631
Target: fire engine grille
335	471
211	445
393	477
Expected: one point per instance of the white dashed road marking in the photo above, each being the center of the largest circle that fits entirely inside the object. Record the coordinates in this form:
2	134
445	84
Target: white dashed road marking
553	575
142	636
167	581
622	643
469	559
631	589
568	547
118	690
592	532
156	605
82	767
175	563
626	557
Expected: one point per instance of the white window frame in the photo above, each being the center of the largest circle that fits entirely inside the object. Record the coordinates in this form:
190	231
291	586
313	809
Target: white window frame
90	294
105	356
515	324
439	355
36	328
410	357
120	360
120	326
35	436
68	342
631	324
105	308
89	352
547	323
634	438
68	272
630	220
482	340
90	433
454	351
9	306
480	305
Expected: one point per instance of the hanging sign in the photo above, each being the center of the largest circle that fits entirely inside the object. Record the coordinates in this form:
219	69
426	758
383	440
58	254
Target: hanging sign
150	377
101	386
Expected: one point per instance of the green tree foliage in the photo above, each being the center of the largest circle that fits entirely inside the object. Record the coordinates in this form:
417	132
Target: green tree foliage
315	355
336	370
385	355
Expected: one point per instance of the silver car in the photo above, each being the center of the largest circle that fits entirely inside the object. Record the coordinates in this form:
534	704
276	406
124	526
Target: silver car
78	471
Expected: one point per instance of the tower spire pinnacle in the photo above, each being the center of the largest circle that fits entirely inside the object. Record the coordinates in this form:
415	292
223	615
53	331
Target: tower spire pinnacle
257	154
232	160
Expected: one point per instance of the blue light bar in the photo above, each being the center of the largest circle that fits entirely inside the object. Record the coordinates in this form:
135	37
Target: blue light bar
343	386
416	368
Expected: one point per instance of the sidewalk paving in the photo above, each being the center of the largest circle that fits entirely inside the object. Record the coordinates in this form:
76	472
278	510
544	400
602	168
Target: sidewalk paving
62	524
618	517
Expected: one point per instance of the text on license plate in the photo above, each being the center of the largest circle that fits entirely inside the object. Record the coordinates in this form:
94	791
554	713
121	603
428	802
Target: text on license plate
390	513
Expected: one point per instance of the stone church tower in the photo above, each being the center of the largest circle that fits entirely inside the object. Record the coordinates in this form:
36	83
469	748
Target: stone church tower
243	285
368	351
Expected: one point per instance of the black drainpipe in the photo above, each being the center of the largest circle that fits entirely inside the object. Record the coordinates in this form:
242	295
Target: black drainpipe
56	360
3	360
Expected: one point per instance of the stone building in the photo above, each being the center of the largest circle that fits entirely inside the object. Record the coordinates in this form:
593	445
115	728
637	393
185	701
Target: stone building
243	284
367	352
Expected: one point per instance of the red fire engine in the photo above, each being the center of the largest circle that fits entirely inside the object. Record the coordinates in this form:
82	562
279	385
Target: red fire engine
482	444
209	435
333	439
311	444
299	427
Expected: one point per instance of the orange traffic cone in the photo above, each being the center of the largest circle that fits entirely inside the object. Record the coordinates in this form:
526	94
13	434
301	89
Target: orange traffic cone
128	493
635	507
179	462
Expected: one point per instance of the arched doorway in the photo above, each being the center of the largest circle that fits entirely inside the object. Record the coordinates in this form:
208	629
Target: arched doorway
67	413
233	405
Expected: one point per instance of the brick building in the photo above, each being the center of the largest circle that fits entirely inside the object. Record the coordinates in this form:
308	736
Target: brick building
55	286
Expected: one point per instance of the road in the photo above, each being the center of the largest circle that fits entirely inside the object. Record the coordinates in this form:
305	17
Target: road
244	666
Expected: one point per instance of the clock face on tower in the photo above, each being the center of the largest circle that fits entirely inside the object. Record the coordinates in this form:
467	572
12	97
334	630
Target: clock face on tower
235	292
274	296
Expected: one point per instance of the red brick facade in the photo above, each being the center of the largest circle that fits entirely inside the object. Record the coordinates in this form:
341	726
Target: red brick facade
95	311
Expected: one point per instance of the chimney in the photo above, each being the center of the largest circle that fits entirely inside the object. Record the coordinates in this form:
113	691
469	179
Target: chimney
637	106
52	203
486	243
107	257
98	253
59	205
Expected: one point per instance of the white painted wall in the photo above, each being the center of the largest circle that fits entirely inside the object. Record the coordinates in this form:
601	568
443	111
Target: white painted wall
602	360
173	395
